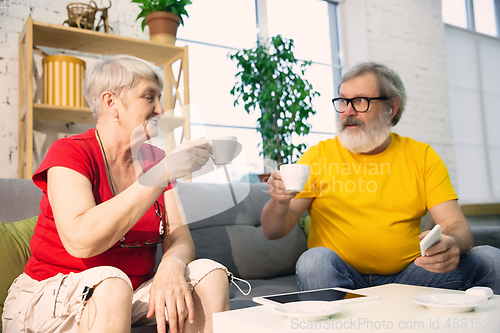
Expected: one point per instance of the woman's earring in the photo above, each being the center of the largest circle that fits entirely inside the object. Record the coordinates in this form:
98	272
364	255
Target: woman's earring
116	117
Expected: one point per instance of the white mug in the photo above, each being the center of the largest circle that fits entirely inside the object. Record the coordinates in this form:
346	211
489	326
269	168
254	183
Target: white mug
223	149
294	176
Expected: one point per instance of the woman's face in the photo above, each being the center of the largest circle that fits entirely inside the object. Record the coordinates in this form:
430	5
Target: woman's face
141	108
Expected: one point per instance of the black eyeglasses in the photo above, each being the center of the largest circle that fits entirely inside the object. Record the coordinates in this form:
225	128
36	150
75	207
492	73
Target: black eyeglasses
151	241
359	104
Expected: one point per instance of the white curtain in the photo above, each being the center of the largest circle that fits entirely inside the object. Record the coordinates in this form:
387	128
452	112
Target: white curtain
474	81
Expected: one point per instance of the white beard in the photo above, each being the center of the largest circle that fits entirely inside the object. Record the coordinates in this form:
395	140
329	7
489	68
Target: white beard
363	138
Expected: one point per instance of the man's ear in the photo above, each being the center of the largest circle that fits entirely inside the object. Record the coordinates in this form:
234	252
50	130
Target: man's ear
395	107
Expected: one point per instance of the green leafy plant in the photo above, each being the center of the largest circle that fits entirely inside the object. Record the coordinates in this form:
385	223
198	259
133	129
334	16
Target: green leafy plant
176	7
272	79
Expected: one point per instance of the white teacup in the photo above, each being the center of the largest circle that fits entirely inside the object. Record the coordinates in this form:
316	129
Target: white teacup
223	149
294	176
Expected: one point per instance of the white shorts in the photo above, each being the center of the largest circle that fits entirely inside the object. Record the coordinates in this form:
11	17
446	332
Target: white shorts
56	304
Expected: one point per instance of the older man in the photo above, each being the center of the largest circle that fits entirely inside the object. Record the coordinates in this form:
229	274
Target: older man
366	193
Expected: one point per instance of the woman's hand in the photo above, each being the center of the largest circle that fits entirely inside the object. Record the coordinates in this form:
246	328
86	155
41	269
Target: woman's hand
170	292
187	158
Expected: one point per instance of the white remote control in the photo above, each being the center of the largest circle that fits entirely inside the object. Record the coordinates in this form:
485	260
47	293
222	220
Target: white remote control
430	239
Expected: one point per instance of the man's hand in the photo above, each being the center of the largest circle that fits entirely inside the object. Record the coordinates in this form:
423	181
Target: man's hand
281	213
277	189
442	257
170	292
187	158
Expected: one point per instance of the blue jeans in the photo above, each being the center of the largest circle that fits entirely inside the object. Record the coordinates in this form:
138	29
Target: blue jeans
321	267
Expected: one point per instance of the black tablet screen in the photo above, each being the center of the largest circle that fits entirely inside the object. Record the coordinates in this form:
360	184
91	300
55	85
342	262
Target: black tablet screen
316	295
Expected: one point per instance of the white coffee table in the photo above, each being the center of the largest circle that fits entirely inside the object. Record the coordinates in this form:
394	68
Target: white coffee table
394	312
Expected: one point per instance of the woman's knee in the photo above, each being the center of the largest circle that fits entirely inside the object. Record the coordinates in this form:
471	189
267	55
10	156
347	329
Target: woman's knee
113	290
213	289
217	277
203	273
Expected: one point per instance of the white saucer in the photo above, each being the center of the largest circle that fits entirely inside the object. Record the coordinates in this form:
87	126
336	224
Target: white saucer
450	302
309	310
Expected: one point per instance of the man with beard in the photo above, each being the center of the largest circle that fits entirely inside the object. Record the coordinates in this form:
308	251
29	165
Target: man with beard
367	190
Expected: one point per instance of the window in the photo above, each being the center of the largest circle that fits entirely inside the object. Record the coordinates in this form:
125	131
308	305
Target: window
216	28
455	12
292	19
484	17
479	15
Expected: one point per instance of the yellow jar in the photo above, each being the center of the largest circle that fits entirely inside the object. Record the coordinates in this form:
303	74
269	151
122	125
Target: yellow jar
63	78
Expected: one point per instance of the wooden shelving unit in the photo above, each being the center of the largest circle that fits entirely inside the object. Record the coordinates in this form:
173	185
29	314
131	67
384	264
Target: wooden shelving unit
49	35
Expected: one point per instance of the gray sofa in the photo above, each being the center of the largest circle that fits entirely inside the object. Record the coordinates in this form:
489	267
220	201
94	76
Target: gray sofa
228	233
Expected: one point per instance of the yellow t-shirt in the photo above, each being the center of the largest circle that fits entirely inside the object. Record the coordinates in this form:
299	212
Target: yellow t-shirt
367	208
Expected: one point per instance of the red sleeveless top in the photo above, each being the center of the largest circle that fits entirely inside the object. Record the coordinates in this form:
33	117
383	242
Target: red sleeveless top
82	153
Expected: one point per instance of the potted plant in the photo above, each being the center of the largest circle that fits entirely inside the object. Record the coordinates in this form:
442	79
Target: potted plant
271	79
162	17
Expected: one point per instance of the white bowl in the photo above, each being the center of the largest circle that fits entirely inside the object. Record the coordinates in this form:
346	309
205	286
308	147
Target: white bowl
450	302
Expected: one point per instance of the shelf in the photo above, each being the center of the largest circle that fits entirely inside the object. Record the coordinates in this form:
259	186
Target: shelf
68	114
62	37
63	114
86	41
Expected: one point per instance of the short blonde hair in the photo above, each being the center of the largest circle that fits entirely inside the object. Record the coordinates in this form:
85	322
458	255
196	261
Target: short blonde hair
114	74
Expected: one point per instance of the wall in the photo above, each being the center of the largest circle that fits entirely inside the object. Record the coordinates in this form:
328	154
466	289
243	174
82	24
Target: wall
474	76
408	36
12	19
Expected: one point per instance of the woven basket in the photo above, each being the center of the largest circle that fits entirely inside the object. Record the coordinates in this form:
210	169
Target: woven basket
81	15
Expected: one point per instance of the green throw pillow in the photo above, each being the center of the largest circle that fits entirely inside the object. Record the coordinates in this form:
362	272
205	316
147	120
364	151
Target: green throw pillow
304	222
14	253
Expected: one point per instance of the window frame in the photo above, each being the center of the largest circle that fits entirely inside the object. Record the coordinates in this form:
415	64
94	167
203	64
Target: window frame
471	21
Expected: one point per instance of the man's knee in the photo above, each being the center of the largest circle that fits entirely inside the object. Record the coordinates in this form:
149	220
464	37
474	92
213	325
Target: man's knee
485	261
316	258
487	257
320	268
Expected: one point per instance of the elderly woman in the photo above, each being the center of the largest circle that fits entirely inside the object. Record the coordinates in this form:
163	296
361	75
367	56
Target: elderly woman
108	199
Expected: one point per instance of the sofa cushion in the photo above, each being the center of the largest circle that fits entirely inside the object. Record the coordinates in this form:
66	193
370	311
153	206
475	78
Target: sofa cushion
486	235
259	258
14	251
19	198
208	204
232	234
246	253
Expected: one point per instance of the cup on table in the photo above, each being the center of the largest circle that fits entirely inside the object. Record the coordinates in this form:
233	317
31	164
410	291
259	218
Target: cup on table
223	149
294	176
